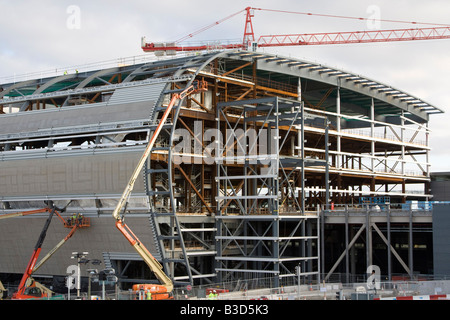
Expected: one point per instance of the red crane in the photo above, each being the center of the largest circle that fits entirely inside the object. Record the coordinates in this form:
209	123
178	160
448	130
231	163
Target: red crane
436	31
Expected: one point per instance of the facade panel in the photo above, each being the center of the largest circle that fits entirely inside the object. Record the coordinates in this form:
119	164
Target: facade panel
19	237
84	175
441	239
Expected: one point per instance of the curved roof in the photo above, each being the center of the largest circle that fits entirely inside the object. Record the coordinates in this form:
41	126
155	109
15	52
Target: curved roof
356	86
357	90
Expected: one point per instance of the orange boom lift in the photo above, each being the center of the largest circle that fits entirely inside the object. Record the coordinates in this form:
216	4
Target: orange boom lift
162	291
28	287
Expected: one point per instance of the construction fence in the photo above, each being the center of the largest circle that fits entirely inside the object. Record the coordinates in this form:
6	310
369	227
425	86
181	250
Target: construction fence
262	289
400	288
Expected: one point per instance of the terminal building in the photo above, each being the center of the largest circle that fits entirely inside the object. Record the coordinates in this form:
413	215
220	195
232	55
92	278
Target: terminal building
281	163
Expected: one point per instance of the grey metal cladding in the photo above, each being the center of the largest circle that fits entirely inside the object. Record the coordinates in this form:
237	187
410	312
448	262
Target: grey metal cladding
441	238
440	190
125	104
75	172
137	94
86	175
19	237
19	124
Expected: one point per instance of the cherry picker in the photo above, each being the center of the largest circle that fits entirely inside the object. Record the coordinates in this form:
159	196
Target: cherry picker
162	291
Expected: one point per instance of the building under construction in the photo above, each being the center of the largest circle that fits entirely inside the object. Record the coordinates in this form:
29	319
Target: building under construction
281	163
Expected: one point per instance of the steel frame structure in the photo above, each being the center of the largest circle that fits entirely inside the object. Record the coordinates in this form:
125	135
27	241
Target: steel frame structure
261	188
360	222
340	136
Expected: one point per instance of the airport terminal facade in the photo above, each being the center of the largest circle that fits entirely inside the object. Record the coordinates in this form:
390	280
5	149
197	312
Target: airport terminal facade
280	163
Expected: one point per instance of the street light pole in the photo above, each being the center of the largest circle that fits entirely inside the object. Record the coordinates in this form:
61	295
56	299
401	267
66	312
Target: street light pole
298	270
79	256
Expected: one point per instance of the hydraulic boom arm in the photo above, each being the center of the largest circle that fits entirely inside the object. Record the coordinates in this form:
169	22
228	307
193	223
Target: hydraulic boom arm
56	248
153	264
35	255
32	266
197	86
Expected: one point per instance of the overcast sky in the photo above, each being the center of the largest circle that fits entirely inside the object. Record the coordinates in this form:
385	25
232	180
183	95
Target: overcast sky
43	35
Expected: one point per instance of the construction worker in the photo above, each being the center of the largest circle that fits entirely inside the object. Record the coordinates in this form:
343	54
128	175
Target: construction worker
149	295
74	219
80	218
215	295
211	295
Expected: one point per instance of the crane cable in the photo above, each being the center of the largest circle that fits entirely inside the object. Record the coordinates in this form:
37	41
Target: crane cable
207	27
347	17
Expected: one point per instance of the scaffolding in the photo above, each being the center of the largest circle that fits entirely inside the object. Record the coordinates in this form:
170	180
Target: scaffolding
261	190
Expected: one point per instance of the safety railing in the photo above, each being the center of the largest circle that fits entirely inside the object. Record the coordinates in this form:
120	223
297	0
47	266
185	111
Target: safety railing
59	71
